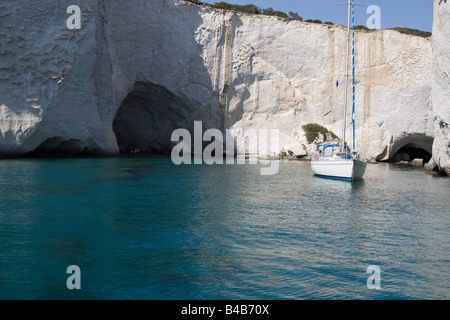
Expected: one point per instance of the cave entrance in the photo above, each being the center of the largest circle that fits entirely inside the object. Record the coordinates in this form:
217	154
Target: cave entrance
147	118
416	147
410	153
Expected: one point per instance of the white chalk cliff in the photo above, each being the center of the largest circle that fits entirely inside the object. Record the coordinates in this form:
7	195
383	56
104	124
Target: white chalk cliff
137	70
441	86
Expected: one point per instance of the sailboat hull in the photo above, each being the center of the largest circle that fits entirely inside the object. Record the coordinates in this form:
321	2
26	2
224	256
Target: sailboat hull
349	170
359	168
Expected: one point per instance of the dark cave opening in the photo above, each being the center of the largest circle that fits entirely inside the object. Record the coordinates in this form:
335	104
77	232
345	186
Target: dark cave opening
147	118
414	148
411	152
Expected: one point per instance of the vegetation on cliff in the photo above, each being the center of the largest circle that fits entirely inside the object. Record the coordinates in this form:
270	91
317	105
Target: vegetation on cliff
253	9
413	32
312	131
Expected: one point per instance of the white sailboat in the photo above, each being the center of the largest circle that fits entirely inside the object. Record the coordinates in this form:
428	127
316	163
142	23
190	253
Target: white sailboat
337	160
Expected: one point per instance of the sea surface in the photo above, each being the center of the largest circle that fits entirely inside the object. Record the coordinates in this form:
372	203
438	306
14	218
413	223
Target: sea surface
144	228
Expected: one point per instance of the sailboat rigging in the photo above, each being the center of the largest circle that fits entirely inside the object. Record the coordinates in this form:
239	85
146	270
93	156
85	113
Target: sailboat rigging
338	161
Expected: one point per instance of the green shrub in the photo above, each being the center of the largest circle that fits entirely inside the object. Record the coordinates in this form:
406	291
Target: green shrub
360	27
271	12
295	16
313	130
195	1
280	14
268	11
413	32
248	8
251	8
314	21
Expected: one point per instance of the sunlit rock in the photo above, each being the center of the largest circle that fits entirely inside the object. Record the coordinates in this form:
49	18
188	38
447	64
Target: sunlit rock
78	91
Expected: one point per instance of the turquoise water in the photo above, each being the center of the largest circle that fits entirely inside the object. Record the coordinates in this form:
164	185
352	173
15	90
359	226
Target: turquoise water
143	228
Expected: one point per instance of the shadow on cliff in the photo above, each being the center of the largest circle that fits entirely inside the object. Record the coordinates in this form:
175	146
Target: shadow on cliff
151	111
147	118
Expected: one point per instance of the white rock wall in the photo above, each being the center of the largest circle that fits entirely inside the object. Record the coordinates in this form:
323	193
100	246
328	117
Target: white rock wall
232	70
248	71
54	82
441	85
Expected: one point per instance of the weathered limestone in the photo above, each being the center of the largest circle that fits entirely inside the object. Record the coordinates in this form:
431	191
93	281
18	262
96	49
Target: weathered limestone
441	87
54	82
79	90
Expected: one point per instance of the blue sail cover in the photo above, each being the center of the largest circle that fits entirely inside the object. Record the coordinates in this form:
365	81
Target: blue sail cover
326	146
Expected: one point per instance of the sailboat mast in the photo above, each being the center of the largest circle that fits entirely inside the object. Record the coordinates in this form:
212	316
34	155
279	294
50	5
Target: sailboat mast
346	79
353	73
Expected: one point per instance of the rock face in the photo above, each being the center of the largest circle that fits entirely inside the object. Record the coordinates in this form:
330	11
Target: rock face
137	70
441	86
54	82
